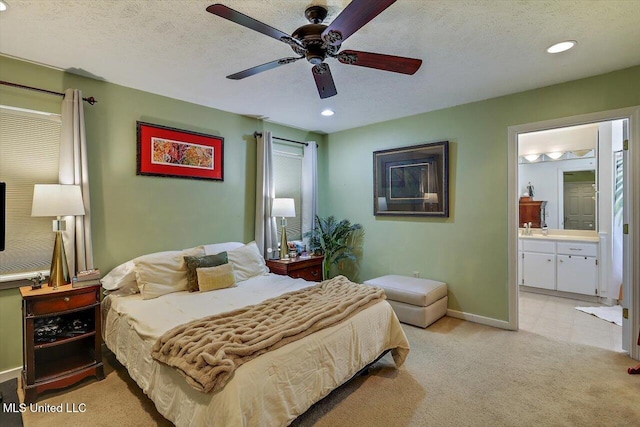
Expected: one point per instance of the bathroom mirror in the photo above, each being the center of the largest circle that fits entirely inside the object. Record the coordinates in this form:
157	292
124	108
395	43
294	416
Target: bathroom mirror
559	166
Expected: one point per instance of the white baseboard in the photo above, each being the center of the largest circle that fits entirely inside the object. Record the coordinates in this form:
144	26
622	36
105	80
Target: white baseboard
502	324
10	374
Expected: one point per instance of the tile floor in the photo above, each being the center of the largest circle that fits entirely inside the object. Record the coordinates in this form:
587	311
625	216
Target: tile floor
556	318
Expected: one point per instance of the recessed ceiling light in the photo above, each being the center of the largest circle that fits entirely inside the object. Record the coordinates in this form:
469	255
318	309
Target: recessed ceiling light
3	5
327	112
562	46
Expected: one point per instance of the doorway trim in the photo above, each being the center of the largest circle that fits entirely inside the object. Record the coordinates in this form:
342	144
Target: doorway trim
633	115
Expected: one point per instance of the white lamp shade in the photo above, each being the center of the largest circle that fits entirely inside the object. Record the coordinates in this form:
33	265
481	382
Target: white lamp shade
283	208
57	200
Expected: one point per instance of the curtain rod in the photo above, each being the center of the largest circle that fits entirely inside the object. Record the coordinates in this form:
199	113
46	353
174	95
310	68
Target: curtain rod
91	100
257	134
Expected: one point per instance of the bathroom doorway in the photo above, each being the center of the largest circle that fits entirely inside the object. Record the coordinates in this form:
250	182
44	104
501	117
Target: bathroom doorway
592	206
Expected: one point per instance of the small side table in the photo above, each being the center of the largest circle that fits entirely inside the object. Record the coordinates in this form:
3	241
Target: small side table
298	268
61	337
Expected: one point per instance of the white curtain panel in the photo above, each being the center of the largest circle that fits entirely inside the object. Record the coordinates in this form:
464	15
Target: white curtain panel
266	234
309	186
74	171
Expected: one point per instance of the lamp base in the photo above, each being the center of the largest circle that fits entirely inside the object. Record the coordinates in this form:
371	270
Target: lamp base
59	268
284	248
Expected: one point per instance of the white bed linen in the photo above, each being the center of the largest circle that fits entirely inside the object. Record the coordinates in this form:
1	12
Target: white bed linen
270	390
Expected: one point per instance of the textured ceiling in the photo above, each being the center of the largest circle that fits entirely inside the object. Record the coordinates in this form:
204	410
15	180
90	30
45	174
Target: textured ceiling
471	49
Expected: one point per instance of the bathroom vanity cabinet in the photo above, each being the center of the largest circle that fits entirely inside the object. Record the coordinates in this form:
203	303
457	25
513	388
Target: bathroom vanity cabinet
559	265
538	264
577	267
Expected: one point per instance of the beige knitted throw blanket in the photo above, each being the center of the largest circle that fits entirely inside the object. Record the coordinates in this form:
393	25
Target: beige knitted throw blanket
207	351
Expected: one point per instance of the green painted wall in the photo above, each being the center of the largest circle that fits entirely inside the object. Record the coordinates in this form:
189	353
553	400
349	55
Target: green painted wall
134	215
468	250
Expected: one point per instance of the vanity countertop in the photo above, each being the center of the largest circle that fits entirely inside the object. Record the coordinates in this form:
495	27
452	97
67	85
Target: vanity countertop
562	235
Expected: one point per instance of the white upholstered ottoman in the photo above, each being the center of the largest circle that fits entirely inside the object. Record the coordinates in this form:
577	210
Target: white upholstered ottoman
419	302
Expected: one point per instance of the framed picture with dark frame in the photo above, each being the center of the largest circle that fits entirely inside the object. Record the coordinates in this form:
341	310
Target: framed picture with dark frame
412	181
170	152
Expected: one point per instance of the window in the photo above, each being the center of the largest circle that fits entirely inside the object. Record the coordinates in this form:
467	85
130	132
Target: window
29	152
287	165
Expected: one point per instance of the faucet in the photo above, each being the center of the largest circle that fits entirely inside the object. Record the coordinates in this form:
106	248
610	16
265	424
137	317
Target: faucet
527	229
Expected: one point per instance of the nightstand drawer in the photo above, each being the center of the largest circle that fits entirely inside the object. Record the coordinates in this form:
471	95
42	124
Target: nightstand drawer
309	268
56	304
313	274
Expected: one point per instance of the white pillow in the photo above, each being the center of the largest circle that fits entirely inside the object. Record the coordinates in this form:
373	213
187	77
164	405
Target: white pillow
216	248
247	262
123	276
124	291
163	272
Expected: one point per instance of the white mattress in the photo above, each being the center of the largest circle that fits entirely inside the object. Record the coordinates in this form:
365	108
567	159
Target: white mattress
270	390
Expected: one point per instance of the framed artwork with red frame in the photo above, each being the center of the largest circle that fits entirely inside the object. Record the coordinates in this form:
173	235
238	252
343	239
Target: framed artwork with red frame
170	152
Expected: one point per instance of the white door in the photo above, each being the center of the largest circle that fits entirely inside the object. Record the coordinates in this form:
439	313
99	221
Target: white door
579	206
539	270
626	243
577	274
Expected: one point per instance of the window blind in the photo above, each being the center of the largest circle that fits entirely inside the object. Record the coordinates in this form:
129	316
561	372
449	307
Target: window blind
288	183
29	153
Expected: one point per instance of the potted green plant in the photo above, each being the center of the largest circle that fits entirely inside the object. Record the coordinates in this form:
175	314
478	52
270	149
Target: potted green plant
334	239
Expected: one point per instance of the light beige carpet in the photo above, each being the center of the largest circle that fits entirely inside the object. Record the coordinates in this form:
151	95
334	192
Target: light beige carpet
457	374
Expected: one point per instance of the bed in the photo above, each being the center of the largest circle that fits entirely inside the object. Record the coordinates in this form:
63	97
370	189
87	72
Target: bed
270	390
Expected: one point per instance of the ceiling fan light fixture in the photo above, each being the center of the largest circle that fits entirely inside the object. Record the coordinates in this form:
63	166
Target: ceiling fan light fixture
562	46
314	58
327	112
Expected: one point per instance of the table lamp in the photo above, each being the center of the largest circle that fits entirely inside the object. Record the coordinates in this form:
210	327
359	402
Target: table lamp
59	201
283	208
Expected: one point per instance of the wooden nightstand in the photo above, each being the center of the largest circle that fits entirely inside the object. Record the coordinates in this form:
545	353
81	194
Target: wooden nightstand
61	337
307	269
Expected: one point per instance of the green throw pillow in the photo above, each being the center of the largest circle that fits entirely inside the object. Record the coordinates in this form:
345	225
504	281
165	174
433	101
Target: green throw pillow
194	262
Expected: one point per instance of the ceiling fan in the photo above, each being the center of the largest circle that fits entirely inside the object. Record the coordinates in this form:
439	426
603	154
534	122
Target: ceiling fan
316	41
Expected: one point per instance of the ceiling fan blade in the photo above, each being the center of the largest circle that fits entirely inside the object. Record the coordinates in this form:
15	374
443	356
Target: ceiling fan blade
396	64
260	68
324	80
352	18
246	21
